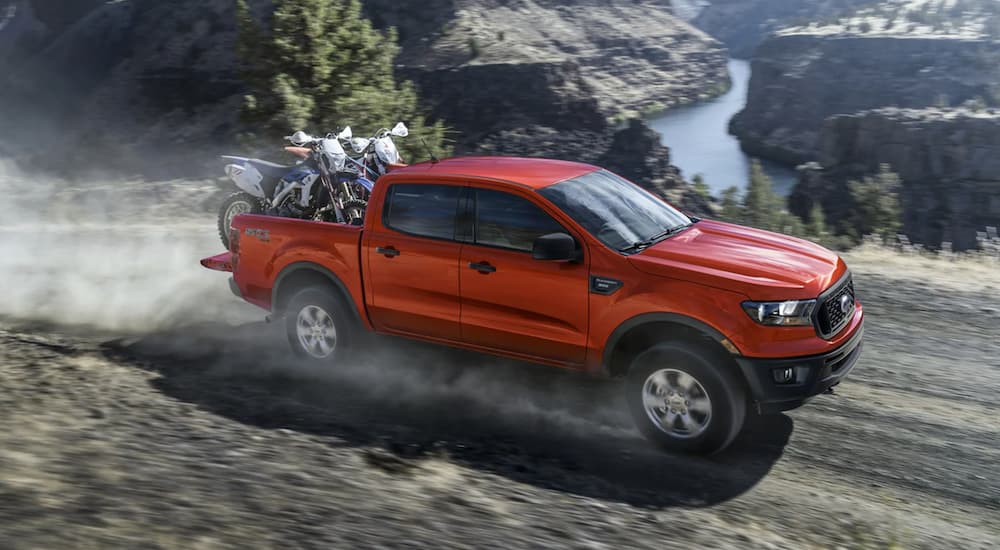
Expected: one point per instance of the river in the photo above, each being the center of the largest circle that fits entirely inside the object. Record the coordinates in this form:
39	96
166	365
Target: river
700	143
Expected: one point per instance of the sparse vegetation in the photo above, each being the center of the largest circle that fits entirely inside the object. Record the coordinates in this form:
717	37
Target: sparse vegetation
876	204
877	210
763	208
966	17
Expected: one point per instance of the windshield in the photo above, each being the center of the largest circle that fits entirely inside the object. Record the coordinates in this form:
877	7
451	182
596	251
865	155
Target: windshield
617	212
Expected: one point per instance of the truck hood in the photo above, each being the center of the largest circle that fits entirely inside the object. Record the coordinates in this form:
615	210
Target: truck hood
760	264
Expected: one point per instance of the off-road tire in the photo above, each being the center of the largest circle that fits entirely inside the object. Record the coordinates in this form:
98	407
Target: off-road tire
725	390
328	309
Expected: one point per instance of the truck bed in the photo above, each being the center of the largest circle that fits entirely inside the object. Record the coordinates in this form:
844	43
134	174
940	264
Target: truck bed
270	247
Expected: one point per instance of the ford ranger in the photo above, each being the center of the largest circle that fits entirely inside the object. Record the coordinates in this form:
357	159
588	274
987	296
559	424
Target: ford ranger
568	265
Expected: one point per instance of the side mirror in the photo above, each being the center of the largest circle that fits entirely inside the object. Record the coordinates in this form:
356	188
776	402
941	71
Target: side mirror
400	130
345	134
554	247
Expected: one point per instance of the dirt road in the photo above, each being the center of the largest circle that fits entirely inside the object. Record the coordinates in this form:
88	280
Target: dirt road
175	420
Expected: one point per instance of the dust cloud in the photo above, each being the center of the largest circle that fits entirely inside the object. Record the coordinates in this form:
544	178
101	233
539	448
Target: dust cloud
116	255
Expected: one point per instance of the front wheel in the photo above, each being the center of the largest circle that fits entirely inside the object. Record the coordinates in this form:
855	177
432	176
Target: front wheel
683	398
319	327
234	205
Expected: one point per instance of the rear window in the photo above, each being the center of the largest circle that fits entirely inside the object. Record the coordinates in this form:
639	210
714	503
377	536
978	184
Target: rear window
423	210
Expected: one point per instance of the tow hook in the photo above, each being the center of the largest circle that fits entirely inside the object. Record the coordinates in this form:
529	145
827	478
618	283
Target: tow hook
268	318
830	390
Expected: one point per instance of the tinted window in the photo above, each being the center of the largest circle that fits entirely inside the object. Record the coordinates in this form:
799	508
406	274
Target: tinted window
425	210
615	210
509	221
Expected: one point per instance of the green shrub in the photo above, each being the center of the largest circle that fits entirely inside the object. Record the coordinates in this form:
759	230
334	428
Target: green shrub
322	66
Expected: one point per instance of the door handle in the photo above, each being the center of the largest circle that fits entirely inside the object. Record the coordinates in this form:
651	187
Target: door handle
484	268
387	251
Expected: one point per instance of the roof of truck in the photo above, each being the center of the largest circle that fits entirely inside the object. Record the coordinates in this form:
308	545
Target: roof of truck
532	172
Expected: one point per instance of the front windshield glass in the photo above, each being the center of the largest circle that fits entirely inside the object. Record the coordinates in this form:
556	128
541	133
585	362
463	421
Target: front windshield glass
617	212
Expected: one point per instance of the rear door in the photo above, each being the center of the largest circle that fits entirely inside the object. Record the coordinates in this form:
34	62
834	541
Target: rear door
413	262
510	301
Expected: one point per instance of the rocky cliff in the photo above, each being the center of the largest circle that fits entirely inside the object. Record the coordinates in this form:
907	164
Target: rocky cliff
492	66
800	79
948	159
743	24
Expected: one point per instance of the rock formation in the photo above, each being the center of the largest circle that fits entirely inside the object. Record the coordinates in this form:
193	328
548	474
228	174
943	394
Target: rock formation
799	80
948	160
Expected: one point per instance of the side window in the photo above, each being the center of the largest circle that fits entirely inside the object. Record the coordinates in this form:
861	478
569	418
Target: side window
508	221
424	210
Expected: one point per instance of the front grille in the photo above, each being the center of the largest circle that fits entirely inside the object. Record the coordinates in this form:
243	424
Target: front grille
832	316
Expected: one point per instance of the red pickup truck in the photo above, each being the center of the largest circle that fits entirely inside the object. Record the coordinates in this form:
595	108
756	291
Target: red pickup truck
568	265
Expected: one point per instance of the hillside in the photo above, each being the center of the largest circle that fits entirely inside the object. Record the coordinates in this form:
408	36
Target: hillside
141	81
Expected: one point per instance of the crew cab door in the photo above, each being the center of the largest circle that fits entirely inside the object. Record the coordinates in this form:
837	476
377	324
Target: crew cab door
413	262
510	301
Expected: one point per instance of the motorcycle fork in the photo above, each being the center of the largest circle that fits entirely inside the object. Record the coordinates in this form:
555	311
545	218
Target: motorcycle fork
332	194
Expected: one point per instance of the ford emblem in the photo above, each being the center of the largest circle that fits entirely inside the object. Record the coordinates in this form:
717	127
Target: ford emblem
846	303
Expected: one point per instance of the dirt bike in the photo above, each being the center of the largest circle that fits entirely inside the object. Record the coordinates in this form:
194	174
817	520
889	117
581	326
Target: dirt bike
291	191
304	190
378	152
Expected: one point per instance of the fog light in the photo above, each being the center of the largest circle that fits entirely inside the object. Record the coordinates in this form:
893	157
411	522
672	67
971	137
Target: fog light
785	375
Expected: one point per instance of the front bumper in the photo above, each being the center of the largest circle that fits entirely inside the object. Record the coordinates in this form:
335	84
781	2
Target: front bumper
813	375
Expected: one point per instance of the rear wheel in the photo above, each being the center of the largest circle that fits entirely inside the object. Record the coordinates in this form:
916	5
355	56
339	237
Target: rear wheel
319	327
234	205
683	400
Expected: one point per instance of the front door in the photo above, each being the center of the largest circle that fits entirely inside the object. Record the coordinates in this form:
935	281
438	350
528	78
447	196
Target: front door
510	301
413	262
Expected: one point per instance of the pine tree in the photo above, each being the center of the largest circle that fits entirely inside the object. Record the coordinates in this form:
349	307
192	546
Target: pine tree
323	66
816	227
762	207
876	200
732	209
700	187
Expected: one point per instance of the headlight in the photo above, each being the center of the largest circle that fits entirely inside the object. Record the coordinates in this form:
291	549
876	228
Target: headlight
793	313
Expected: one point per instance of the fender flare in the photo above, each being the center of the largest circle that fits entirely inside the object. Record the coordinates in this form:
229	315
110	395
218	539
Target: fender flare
647	318
298	267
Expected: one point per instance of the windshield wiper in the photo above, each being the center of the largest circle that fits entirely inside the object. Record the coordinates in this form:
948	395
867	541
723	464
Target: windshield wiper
642	245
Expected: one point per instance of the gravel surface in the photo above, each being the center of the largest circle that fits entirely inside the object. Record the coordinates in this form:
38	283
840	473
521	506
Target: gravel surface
172	417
